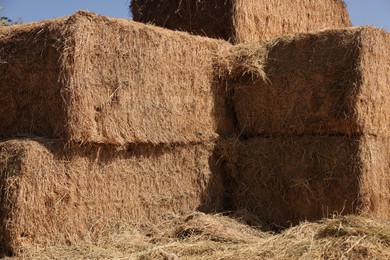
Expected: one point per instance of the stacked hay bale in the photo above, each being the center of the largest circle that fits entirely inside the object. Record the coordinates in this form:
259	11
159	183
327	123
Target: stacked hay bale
312	111
126	117
91	79
242	21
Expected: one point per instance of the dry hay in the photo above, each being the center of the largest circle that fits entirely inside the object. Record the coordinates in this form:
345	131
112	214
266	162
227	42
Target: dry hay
202	17
329	82
285	180
242	21
53	195
88	78
241	63
347	237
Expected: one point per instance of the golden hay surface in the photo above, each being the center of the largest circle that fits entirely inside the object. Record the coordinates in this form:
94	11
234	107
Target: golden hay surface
328	82
88	78
256	20
219	237
49	194
242	21
285	180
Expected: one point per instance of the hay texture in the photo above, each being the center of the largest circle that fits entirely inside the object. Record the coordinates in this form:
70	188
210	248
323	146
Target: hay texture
50	195
88	78
219	237
286	180
242	21
329	82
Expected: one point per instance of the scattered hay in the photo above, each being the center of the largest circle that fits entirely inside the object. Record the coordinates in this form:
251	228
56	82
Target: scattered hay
347	237
199	226
91	79
286	180
53	195
242	20
241	63
328	82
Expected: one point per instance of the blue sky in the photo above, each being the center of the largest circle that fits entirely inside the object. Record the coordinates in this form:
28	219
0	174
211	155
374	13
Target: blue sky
362	12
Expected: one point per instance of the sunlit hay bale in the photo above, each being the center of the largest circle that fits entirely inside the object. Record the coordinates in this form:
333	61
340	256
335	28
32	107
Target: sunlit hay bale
88	78
329	82
285	180
242	20
51	195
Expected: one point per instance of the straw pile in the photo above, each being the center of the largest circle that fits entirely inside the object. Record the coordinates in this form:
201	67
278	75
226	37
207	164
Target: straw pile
92	79
328	82
53	195
285	180
242	21
200	236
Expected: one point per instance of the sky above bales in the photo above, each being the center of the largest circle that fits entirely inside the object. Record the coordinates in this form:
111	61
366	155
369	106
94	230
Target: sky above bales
362	12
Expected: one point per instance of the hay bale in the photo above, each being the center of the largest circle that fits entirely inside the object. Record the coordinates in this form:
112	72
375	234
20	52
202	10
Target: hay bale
329	82
242	20
286	180
51	195
88	78
30	98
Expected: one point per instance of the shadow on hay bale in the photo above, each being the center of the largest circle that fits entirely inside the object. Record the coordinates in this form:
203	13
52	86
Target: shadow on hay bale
286	180
242	21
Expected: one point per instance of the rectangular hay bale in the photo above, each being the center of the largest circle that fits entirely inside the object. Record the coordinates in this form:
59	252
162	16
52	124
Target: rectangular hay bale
329	82
285	180
242	20
50	195
88	78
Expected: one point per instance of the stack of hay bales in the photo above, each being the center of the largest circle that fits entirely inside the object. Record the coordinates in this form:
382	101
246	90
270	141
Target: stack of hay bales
240	21
105	120
110	120
311	108
314	125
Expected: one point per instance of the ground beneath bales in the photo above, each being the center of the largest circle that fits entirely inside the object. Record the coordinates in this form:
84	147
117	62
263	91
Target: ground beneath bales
202	236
